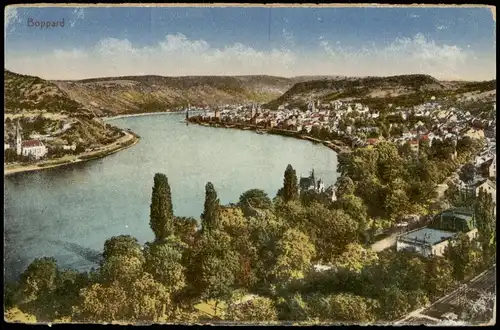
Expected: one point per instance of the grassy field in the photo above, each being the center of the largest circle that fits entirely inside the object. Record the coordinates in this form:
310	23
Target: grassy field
208	308
17	316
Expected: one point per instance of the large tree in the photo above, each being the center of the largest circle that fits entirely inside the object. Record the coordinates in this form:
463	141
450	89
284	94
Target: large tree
39	279
161	211
484	209
396	203
293	308
344	186
439	279
463	255
123	269
149	300
185	229
217	277
123	245
102	303
209	218
294	255
258	309
355	258
145	300
393	304
290	185
164	262
344	307
354	207
389	163
212	267
334	231
467	173
254	199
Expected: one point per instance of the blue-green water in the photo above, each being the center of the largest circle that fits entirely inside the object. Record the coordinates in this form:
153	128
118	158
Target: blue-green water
68	212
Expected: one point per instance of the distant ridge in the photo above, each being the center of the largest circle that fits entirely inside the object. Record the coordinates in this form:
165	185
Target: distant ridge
107	96
406	88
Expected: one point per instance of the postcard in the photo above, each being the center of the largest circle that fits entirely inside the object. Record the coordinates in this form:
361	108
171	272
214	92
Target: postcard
250	164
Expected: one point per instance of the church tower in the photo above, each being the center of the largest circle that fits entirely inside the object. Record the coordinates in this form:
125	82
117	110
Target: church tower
19	139
253	116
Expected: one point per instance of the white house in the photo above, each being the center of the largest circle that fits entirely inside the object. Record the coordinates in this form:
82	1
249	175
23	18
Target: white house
488	186
6	146
425	241
71	147
484	157
492	169
433	239
33	148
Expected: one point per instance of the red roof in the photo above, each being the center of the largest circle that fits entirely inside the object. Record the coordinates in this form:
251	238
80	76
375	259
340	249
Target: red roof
425	137
413	142
372	141
31	143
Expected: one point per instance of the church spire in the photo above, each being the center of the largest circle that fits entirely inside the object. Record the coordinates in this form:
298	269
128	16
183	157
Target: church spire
19	139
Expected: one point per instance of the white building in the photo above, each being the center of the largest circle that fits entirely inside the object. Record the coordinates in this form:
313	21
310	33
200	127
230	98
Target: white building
34	148
489	187
71	147
432	240
425	241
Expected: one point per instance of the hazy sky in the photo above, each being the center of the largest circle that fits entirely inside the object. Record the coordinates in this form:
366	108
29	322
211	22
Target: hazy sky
447	43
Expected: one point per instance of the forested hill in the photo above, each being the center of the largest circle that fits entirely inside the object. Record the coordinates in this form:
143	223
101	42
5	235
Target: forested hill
43	108
402	90
23	93
133	94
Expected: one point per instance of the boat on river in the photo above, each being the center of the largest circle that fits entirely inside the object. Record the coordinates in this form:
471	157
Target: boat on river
259	131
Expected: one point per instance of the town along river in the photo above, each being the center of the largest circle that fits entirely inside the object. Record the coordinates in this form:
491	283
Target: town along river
69	212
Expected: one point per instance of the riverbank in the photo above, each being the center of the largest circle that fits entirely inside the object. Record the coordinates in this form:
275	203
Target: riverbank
336	146
138	115
128	140
147	114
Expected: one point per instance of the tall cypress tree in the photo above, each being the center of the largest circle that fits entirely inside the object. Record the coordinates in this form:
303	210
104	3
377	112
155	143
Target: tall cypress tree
161	211
484	208
209	218
290	185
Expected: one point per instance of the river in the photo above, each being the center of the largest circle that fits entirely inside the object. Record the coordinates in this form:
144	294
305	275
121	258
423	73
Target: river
68	212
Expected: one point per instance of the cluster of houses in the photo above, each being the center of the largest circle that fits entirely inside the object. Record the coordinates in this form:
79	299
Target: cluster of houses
485	172
433	239
439	123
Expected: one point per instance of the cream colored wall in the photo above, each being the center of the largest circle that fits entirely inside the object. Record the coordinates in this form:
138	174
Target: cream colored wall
439	248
